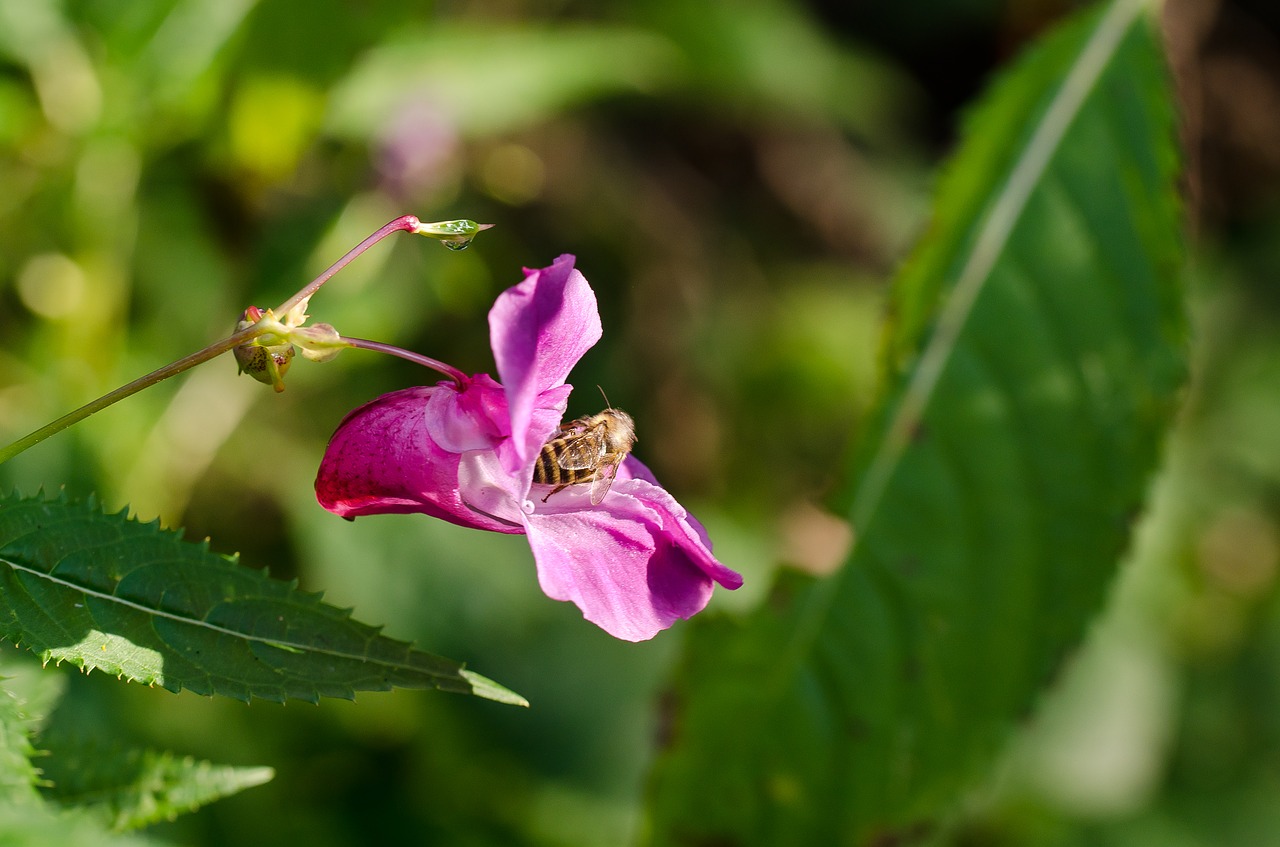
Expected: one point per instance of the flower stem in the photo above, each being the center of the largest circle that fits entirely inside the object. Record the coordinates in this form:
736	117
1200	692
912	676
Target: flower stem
404	223
453	373
213	350
453	233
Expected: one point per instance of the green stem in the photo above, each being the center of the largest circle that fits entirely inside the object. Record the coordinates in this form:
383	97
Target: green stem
405	223
171	369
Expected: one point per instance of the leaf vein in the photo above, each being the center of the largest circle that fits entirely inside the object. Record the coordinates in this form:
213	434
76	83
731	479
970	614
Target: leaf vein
989	245
221	630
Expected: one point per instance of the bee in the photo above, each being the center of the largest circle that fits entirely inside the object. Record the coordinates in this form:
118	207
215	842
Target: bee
586	450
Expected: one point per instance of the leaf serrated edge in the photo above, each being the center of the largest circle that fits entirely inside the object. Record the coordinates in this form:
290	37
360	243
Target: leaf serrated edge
480	686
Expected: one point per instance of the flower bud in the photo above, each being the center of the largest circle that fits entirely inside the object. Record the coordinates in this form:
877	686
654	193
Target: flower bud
456	235
267	363
319	342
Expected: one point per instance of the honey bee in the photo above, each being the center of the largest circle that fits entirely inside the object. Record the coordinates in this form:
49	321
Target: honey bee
586	450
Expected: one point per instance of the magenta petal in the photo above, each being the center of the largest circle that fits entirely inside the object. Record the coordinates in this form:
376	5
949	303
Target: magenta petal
539	330
383	460
628	573
471	419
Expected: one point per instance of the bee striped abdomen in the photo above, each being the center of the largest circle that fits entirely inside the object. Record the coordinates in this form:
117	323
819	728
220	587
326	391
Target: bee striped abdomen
547	470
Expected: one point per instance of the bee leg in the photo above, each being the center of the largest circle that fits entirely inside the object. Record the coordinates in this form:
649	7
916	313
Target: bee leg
556	490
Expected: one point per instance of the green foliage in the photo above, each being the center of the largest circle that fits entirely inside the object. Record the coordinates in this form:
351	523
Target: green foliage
1032	370
489	80
25	701
98	794
130	789
106	592
39	826
738	180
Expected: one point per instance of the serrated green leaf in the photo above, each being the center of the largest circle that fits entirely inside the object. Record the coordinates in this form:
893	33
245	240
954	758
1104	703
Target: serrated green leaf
36	692
26	820
129	789
24	702
1030	376
109	593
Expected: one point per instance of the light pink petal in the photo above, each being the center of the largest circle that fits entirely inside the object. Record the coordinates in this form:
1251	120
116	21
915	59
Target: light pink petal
383	460
539	330
485	487
683	528
621	564
633	468
544	420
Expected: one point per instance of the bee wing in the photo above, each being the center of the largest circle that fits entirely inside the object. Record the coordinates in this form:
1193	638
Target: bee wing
581	451
603	482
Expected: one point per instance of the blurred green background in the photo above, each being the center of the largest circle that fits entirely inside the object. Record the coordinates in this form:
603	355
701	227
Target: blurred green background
738	181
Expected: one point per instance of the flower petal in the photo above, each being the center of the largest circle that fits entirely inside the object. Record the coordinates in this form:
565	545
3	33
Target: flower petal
472	419
631	568
539	330
383	460
633	468
544	420
680	526
484	486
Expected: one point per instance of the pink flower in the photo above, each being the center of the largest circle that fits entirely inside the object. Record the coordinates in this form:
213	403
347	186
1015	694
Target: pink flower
464	452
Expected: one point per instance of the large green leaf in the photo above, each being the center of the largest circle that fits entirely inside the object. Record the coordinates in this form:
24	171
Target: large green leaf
1030	374
106	592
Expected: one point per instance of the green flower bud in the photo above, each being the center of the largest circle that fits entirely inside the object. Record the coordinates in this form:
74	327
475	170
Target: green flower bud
456	235
267	363
319	342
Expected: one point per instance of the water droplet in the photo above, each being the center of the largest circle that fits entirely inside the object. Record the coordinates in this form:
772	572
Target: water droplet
456	243
528	507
